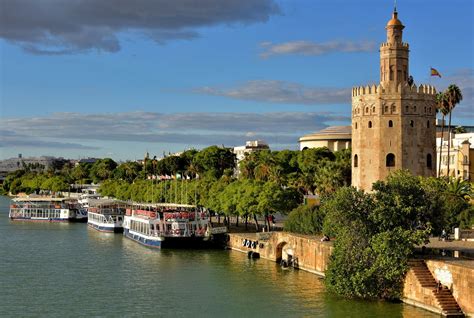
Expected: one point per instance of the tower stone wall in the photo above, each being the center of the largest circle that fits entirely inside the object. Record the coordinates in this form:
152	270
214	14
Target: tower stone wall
393	123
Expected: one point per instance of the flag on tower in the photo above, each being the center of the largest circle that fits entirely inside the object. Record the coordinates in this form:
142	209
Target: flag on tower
434	72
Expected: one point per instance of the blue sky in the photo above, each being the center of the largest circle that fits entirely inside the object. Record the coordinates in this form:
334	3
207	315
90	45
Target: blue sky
117	79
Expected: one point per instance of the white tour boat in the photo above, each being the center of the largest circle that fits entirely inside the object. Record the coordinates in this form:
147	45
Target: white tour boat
46	209
161	225
88	195
106	215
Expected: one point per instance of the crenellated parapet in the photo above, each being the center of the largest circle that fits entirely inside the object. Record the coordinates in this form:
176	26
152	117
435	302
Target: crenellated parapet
379	89
387	44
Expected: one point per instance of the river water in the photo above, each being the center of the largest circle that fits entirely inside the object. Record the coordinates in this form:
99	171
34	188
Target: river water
57	270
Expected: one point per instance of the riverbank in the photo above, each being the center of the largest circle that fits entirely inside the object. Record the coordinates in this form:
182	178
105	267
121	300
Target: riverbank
312	255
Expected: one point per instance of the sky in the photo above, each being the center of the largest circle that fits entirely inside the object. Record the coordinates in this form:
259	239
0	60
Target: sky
118	78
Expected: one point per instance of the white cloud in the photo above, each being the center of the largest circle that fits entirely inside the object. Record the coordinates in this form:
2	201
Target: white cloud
273	91
314	48
192	129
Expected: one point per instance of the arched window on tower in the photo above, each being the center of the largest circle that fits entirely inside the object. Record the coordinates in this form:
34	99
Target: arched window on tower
391	72
429	161
373	109
390	123
414	109
355	125
356	161
412	123
390	160
386	109
428	124
370	124
367	110
407	109
394	108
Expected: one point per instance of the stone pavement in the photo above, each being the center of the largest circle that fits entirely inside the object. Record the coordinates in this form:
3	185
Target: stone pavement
464	246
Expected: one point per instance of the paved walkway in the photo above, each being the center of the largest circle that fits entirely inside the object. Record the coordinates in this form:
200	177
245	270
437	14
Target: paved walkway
464	246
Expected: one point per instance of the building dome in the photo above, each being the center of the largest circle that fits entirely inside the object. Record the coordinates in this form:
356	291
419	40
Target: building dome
394	20
334	137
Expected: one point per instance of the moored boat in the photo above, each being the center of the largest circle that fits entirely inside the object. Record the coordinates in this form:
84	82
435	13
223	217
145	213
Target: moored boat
46	209
88	195
106	215
163	225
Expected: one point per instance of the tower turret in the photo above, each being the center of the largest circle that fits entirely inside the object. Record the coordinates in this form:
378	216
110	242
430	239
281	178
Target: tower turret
394	54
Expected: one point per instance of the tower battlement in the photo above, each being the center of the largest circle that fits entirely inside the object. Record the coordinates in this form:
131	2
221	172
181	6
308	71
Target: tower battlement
387	44
379	89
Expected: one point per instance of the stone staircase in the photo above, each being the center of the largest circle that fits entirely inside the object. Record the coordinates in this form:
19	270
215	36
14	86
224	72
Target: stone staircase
442	294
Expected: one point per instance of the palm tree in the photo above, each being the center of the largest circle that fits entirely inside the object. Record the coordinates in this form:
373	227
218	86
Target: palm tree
459	188
453	97
441	106
459	130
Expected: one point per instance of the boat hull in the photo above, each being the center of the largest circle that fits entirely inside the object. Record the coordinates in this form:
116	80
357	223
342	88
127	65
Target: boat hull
107	229
142	240
40	219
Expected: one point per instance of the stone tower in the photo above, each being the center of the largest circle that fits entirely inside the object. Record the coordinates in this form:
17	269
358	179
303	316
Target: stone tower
393	123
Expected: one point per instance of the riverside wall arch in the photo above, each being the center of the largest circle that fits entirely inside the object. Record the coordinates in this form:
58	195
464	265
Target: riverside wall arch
311	254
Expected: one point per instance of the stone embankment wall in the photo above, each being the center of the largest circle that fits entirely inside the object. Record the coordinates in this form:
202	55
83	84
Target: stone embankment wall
460	280
313	255
309	252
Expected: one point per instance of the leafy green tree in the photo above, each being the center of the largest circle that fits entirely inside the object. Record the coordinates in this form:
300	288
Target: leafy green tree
401	201
128	171
248	203
213	161
55	184
102	169
80	173
305	219
10	178
375	235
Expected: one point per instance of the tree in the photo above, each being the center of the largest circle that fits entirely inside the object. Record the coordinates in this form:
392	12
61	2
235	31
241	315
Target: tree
102	169
453	97
459	130
213	161
305	219
247	206
460	188
128	171
80	172
310	162
375	235
441	106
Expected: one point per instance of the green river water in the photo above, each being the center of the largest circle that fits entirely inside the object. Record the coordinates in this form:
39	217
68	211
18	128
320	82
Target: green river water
69	270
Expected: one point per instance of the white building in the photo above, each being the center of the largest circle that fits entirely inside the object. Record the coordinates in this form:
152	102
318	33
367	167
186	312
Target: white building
461	155
250	146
